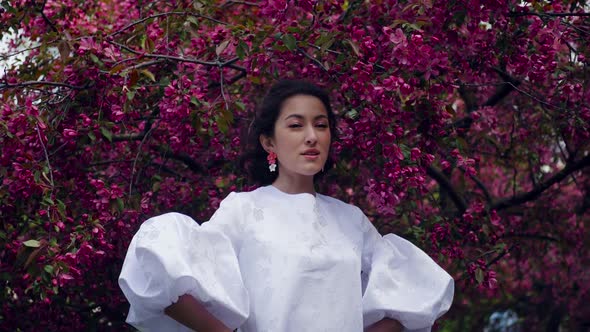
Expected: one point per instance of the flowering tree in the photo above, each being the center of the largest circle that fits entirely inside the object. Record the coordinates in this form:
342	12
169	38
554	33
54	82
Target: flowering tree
464	126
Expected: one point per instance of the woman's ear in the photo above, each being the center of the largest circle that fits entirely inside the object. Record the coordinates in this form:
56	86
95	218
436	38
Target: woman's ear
266	142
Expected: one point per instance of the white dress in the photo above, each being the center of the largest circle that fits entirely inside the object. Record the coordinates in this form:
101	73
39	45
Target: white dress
269	261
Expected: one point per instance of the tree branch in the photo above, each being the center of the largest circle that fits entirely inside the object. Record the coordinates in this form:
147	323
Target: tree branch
444	183
183	157
314	60
164	14
584	206
236	2
548	14
176	58
5	86
530	236
145	64
504	88
242	74
480	185
128	137
497	258
538	190
45	18
109	162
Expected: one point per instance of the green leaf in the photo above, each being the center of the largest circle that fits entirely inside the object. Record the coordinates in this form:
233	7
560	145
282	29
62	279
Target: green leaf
117	69
289	41
106	133
193	20
221	47
242	50
398	22
61	207
95	59
133	77
156	187
222	125
148	74
241	105
149	45
48	200
48	269
479	276
500	247
165	81
352	114
120	204
142	41
325	41
345	5
130	95
355	47
462	143
32	243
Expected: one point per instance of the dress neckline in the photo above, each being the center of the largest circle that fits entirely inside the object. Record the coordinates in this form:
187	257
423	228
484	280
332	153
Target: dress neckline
279	191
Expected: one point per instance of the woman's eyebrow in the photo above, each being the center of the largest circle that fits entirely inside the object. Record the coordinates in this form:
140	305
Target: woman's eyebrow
299	116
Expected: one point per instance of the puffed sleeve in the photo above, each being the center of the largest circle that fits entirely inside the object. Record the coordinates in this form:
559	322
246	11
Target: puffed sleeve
402	282
171	255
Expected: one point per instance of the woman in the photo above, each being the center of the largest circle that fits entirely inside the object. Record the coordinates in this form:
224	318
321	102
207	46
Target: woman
281	257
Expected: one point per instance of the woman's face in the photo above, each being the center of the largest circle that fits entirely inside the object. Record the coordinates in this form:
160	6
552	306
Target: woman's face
301	136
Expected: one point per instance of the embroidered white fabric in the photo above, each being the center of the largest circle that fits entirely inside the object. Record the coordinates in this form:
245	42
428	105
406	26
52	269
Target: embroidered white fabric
269	261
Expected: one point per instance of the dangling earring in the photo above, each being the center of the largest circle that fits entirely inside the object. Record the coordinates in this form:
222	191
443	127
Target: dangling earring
272	161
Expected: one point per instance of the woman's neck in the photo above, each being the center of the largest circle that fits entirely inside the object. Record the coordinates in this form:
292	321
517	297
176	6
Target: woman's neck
294	184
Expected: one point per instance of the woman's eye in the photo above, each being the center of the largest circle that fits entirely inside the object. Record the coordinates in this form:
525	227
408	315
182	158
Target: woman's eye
294	125
322	125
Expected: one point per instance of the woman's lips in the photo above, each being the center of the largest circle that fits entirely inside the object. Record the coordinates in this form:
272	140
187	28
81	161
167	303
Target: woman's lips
311	156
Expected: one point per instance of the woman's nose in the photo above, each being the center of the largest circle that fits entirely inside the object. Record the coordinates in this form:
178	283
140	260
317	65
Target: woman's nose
311	136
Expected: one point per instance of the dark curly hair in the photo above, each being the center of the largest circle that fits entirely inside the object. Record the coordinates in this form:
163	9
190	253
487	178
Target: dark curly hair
253	159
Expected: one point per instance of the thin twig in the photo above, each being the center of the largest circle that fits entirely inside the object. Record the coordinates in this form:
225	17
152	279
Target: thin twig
237	2
58	149
165	14
46	157
314	60
26	50
4	86
242	74
137	157
493	261
326	50
144	64
175	58
222	92
108	162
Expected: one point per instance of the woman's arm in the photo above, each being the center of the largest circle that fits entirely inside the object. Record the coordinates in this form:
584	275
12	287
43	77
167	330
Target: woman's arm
386	325
191	313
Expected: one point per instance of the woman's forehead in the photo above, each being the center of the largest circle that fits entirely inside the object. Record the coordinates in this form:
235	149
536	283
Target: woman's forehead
303	106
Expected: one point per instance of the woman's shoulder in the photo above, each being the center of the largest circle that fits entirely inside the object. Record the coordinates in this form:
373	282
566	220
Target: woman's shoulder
341	206
244	195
